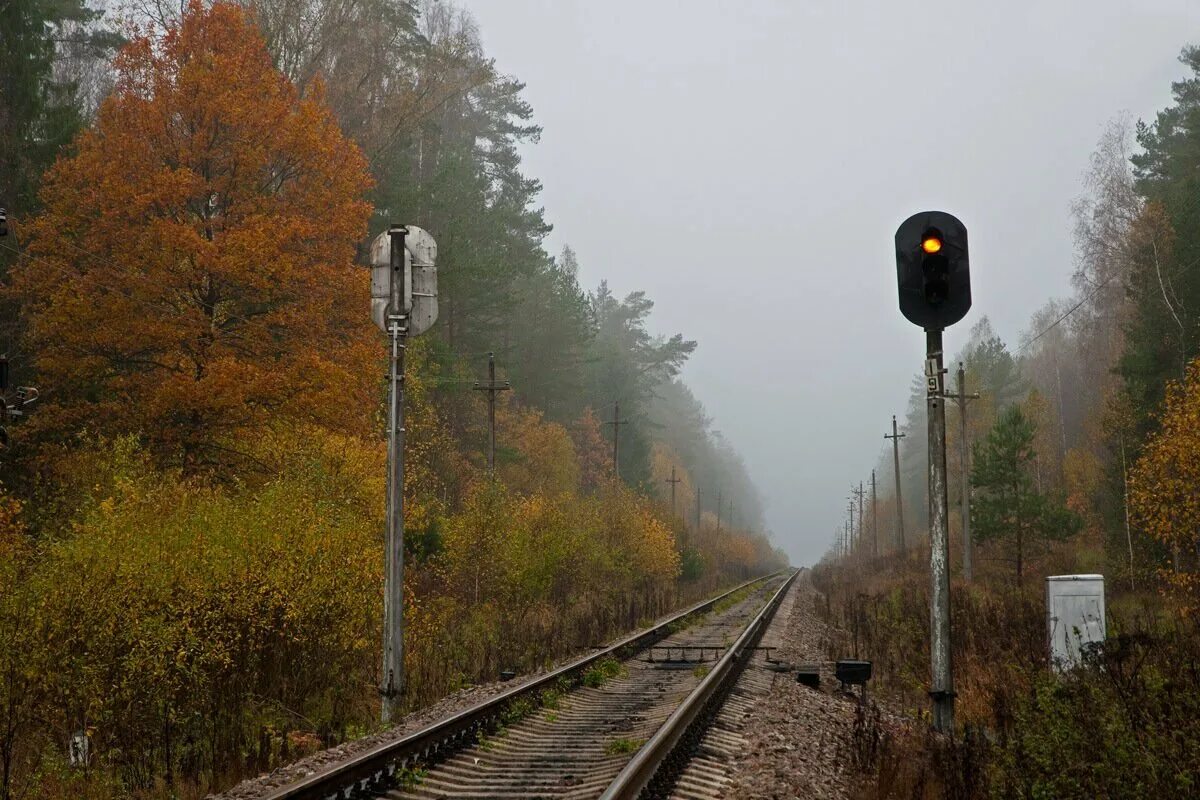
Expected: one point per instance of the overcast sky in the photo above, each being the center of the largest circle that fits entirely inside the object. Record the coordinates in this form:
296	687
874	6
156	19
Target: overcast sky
747	165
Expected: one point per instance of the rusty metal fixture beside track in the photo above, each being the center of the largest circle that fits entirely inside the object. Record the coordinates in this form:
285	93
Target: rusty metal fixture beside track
375	769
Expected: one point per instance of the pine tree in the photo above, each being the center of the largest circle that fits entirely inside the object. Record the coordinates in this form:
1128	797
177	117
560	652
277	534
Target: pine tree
1007	505
39	112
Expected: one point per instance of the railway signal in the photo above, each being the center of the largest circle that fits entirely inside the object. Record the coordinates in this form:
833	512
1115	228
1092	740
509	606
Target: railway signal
403	304
932	269
934	282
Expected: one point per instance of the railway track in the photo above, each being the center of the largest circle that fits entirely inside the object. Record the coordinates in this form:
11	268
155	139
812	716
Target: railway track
622	723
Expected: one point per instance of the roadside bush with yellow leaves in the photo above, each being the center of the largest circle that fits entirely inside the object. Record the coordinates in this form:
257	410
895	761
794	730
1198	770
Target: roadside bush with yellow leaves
186	629
196	633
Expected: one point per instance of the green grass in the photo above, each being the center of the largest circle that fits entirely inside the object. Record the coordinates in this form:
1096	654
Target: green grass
701	670
733	599
621	745
517	710
551	697
602	671
410	777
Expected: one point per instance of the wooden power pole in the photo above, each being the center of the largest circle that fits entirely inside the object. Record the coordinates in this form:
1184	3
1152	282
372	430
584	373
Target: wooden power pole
962	398
858	493
617	422
896	436
491	387
874	519
673	481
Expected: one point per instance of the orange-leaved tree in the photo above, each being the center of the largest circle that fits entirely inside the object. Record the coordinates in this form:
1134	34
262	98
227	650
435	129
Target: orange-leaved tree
192	272
1162	484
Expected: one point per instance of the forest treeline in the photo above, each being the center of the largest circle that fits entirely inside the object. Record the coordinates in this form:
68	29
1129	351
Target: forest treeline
1084	458
191	514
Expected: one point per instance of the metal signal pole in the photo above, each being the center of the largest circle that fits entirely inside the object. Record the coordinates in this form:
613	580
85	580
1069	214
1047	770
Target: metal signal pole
404	302
491	387
896	437
393	606
933	281
942	690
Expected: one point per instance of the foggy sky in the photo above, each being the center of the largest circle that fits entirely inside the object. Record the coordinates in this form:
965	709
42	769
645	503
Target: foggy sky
747	165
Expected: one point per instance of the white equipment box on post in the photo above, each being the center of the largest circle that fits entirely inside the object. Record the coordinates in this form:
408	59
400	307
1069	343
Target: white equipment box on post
1074	616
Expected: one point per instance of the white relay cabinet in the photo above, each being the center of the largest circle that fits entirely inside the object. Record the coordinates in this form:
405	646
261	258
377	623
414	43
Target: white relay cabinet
1074	616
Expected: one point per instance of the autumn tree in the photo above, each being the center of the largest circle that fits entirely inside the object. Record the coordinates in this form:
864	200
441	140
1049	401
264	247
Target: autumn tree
191	273
1008	507
1163	500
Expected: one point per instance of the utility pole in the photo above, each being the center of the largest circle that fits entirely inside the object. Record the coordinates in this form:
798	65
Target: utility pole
850	523
491	387
942	690
961	398
673	481
874	519
617	422
896	437
858	493
393	607
720	504
732	523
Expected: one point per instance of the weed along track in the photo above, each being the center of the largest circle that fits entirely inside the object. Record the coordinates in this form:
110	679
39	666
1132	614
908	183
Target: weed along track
619	724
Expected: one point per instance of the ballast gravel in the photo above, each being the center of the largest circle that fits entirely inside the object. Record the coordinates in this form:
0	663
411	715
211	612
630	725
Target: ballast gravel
799	738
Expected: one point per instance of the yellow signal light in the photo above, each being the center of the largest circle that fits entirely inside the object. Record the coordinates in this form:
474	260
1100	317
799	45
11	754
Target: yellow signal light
931	243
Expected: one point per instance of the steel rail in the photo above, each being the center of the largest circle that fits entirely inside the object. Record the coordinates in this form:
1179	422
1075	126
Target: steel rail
377	766
665	748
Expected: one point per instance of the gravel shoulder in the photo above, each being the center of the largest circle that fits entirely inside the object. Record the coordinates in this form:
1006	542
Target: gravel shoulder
799	739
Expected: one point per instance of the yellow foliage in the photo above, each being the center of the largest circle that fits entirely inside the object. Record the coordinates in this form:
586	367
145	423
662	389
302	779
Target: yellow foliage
546	462
595	454
1163	500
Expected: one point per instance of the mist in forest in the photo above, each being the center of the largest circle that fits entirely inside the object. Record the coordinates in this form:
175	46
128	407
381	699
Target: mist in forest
747	167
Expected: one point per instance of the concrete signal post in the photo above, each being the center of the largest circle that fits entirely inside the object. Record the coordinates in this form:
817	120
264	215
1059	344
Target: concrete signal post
934	283
403	304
